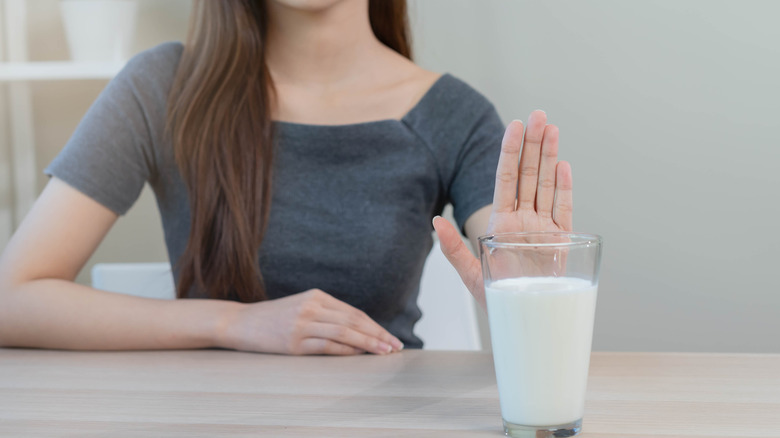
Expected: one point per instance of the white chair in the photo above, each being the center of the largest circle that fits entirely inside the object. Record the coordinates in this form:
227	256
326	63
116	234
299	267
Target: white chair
449	320
149	280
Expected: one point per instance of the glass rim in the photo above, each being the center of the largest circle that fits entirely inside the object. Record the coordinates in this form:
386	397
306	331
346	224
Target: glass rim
577	239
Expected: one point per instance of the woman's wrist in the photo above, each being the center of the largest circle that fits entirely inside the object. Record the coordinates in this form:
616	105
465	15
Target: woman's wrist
224	317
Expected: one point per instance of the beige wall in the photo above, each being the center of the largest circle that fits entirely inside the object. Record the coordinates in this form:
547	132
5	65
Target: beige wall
668	112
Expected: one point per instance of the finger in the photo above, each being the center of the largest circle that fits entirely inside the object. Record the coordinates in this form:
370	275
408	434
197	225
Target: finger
545	191
562	213
326	346
338	312
529	160
347	336
506	173
460	258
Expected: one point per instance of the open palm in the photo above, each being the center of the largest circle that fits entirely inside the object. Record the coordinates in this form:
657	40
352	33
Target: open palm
532	195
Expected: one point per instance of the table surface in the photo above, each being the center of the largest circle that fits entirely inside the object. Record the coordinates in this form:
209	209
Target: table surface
409	394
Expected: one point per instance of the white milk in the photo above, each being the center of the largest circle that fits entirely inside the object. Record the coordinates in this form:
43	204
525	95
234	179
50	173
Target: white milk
541	329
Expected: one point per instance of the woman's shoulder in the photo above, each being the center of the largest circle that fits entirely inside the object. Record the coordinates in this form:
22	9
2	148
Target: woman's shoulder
455	89
153	69
163	58
450	104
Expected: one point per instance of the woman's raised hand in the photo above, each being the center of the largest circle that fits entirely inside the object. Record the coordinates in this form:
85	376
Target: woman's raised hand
534	195
311	322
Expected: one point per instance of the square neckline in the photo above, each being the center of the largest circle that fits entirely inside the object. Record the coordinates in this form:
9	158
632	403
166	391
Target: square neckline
415	108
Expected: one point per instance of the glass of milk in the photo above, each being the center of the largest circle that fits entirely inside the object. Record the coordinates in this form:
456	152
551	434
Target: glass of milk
541	300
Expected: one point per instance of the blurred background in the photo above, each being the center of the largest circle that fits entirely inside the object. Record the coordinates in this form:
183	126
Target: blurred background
668	113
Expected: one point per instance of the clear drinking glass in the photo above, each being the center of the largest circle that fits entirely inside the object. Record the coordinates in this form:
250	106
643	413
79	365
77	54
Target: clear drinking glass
541	300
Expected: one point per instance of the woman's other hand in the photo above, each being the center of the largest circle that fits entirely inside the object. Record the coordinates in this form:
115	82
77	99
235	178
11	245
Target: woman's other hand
534	195
311	322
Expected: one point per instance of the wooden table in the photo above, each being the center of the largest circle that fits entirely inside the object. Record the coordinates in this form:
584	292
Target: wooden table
410	394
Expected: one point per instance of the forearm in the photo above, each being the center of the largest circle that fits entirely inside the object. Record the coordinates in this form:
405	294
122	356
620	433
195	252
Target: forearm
64	315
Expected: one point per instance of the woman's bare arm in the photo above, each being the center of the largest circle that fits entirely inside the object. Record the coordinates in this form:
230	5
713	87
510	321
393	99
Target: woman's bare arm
41	306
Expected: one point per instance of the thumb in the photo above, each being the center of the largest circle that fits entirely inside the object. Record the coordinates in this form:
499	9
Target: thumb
460	258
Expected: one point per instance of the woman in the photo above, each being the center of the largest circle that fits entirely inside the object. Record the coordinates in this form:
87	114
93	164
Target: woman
298	157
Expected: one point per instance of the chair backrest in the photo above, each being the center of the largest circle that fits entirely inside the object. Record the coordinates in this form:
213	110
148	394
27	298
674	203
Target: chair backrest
449	320
149	280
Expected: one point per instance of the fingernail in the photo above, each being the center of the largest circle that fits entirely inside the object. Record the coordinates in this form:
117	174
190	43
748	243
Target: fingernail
398	345
384	348
433	221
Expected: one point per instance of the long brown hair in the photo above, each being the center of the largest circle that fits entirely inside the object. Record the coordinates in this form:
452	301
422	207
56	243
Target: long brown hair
219	121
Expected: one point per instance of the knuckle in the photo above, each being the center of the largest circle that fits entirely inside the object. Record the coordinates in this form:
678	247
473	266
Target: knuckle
294	347
323	296
506	177
342	350
354	320
547	183
336	349
307	310
529	170
299	326
328	347
534	138
510	147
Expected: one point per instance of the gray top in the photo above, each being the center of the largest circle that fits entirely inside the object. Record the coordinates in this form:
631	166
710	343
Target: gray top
352	204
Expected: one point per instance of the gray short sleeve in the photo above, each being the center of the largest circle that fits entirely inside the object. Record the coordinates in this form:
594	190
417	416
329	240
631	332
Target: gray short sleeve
474	175
111	154
463	131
